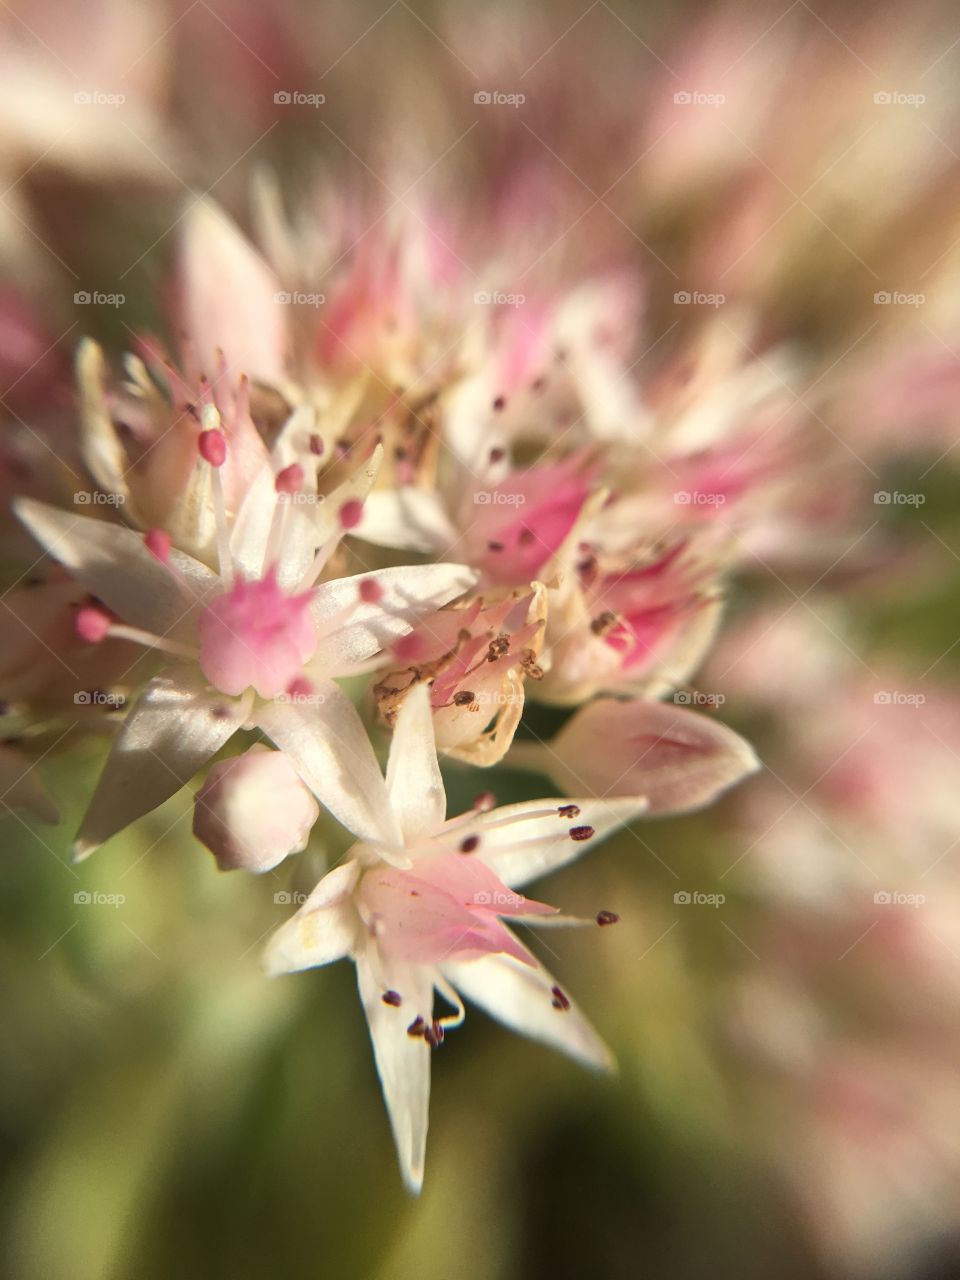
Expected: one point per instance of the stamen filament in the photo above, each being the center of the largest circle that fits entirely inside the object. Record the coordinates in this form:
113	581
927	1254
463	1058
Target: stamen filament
523	817
319	562
224	558
119	631
277	530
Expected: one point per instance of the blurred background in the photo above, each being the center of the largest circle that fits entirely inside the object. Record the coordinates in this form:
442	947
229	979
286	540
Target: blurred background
783	991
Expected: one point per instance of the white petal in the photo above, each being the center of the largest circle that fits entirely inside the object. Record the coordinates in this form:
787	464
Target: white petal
520	851
403	1062
413	772
191	521
355	488
409	593
328	746
521	997
684	655
229	297
99	444
174	728
323	930
302	532
407	518
113	563
251	525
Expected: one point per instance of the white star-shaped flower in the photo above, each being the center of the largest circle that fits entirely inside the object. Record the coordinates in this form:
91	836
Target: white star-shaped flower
255	645
419	911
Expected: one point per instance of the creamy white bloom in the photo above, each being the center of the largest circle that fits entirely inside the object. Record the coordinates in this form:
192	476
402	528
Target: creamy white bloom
255	645
419	909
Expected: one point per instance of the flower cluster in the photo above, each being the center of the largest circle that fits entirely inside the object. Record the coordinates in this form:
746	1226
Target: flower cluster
243	586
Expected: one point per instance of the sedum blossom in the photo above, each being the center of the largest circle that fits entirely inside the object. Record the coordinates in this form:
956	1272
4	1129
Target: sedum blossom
476	659
420	909
256	644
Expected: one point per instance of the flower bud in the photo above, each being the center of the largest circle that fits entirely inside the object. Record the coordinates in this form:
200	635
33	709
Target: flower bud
253	811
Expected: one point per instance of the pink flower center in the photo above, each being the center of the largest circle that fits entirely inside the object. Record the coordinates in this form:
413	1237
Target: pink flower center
447	908
255	635
521	523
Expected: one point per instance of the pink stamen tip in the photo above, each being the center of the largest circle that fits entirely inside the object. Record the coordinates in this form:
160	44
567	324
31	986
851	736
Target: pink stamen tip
485	801
290	479
213	447
409	648
371	591
158	543
351	513
92	624
301	687
316	445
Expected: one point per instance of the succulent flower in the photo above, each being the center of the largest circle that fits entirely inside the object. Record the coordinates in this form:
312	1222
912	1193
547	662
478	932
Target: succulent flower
420	910
255	644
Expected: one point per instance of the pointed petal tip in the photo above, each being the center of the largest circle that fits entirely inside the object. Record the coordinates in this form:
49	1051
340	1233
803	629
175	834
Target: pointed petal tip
279	957
81	849
751	761
412	1179
23	507
605	1063
273	962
